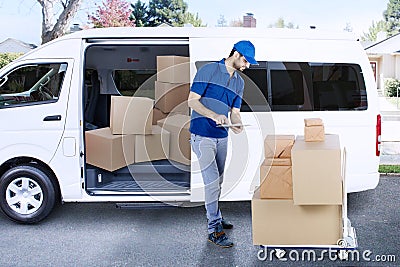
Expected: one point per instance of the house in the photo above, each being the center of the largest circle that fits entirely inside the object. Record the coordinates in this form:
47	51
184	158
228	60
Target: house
249	21
384	56
11	45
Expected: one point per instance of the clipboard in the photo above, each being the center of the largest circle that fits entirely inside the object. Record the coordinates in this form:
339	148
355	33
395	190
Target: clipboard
232	125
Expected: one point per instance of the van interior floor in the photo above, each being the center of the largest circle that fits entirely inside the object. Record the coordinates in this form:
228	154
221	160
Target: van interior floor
148	178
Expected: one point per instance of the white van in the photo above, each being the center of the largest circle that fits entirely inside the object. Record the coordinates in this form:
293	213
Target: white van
52	95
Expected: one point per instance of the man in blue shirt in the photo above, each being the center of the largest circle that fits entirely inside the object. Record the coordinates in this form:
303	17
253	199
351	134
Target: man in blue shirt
216	92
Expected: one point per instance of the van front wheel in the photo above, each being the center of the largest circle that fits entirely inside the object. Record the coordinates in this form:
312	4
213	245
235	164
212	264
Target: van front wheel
27	194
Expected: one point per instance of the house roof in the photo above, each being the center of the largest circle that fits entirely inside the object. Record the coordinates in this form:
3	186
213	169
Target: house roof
387	46
11	45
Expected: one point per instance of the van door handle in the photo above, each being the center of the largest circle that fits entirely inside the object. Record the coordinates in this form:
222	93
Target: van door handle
52	118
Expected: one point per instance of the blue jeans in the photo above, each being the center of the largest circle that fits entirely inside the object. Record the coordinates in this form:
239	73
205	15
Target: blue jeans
211	153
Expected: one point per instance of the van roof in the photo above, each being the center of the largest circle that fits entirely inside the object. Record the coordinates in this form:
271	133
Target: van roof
221	32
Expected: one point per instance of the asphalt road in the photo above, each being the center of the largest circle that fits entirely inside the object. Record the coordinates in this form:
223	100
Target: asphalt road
101	235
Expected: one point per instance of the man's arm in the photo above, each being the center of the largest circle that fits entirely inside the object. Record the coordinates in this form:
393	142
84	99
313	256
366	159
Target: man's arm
195	104
235	118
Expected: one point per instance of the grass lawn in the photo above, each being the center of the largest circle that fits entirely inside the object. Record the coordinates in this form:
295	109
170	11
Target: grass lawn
389	168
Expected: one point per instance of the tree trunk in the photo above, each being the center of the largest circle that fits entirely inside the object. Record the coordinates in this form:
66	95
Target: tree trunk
50	30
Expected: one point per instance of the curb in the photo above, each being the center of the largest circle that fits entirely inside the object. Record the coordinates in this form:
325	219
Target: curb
390	174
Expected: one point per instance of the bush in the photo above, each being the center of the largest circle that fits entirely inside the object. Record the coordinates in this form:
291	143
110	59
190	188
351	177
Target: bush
6	58
392	87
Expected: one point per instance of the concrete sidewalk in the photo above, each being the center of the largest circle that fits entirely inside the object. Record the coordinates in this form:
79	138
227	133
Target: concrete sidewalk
390	147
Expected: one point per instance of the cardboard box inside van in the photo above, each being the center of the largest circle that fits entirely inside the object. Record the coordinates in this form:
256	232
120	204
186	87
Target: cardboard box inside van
109	151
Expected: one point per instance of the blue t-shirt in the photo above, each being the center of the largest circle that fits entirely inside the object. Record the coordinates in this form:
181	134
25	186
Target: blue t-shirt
219	93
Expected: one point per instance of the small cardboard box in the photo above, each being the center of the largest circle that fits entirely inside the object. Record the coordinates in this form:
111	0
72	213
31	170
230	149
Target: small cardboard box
316	171
278	146
173	69
276	182
158	115
154	146
170	95
108	151
131	115
314	133
280	222
313	122
179	146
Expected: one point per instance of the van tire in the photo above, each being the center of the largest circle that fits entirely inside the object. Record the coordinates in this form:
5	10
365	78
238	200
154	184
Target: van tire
27	194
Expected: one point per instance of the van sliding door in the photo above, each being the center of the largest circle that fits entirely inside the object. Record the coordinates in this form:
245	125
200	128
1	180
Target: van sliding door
128	67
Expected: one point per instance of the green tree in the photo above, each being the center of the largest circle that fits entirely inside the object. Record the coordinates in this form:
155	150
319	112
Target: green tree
280	23
373	31
192	19
392	17
173	12
6	58
140	13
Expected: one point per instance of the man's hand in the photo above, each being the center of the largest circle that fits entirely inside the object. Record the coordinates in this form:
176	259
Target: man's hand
220	119
235	118
237	129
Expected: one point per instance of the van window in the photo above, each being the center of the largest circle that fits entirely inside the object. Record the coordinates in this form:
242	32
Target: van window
129	81
31	84
255	95
302	86
338	87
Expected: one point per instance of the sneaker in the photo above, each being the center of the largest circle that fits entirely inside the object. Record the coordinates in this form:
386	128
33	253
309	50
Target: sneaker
219	238
226	224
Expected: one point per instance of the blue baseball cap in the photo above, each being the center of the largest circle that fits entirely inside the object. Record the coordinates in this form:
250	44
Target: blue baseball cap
246	48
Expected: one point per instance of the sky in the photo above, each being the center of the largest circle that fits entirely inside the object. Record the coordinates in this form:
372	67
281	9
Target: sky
22	19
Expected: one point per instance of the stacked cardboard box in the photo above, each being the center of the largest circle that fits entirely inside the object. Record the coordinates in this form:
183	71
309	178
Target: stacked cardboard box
316	171
131	115
130	138
314	130
172	86
178	127
313	216
109	151
280	222
276	170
